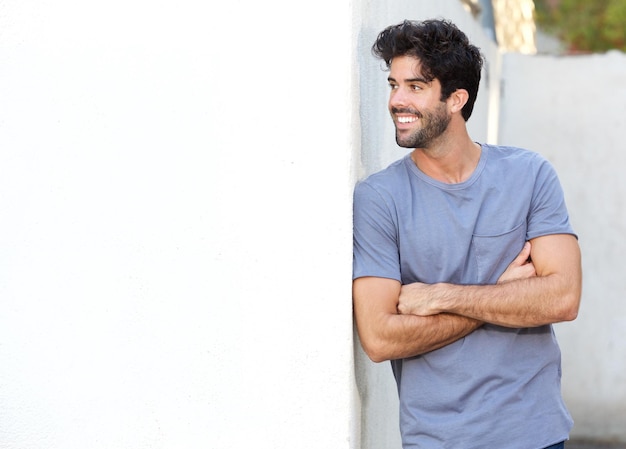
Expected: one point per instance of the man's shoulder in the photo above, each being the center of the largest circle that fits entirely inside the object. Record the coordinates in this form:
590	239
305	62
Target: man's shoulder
383	187
511	159
389	176
508	152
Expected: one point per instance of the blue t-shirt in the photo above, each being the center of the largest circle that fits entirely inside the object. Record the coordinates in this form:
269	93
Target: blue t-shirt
497	387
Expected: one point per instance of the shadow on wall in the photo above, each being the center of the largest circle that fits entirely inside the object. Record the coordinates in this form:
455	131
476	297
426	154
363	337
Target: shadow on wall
587	444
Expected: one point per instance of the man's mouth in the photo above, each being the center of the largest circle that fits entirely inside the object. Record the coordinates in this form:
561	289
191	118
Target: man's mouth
405	115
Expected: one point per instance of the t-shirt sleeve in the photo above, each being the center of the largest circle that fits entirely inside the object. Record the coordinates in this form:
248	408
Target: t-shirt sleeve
375	250
548	212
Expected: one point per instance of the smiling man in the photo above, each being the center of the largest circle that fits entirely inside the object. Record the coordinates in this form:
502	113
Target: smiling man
463	258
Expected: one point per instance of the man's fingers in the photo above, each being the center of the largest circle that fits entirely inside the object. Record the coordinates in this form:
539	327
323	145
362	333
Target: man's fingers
521	267
523	256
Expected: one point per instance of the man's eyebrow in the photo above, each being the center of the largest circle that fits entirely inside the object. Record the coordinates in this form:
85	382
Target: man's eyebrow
409	80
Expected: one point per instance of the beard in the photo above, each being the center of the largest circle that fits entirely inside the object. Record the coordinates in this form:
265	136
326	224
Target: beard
434	125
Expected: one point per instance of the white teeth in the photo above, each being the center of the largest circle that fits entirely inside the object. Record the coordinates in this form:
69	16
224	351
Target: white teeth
407	119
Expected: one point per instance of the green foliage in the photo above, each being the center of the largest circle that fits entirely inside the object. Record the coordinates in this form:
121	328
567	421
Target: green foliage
584	25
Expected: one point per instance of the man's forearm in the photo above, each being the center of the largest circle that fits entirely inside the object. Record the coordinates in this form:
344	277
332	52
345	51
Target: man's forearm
404	336
521	303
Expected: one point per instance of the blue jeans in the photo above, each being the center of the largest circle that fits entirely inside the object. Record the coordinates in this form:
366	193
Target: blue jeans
560	445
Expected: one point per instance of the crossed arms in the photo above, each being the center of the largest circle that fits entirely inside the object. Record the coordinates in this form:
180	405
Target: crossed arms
398	321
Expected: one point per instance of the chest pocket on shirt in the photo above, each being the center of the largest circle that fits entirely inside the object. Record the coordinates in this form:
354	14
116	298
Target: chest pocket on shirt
493	253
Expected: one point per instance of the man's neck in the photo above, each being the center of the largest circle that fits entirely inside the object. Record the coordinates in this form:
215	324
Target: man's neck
451	162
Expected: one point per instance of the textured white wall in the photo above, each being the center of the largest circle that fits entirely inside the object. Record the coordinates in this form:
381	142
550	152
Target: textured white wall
571	110
175	239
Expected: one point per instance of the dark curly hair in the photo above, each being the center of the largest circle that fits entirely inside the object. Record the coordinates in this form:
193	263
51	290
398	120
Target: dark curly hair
444	51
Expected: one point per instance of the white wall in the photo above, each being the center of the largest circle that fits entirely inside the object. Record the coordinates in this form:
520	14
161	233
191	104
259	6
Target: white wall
175	243
571	110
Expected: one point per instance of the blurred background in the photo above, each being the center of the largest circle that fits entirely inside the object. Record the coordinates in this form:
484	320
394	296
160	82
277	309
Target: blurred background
578	26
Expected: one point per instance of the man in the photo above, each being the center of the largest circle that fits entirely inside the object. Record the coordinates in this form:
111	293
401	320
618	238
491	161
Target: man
463	257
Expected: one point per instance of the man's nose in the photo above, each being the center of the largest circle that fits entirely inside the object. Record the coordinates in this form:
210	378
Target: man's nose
398	97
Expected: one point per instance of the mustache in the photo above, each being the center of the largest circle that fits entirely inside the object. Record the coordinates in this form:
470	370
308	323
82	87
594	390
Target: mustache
395	110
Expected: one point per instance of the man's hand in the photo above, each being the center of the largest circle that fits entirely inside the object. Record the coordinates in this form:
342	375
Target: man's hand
521	268
415	300
419	299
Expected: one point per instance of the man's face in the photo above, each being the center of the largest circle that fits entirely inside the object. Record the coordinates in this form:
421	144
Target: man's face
418	113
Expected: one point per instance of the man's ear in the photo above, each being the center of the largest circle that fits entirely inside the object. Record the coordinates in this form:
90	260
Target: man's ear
457	100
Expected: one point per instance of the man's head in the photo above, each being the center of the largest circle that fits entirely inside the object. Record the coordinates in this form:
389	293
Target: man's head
444	53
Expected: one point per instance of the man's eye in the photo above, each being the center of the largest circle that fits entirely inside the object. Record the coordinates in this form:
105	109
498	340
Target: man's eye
415	87
393	86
